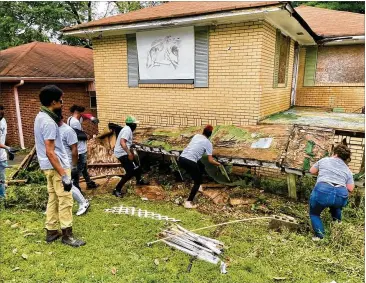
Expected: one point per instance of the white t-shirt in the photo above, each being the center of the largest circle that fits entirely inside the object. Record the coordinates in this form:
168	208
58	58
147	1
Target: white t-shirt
68	137
125	133
197	147
333	170
75	124
46	129
3	132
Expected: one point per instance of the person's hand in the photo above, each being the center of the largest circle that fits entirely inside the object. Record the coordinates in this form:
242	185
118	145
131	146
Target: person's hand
11	150
66	182
130	156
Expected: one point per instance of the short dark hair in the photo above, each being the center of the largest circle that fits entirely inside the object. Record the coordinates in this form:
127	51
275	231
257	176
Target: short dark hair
77	108
343	152
1	107
207	131
50	93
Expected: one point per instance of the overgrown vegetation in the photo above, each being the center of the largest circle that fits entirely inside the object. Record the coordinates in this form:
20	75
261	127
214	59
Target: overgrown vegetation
30	196
286	116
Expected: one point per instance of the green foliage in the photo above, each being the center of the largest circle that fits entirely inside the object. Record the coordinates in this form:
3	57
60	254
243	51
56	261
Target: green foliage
349	6
33	177
29	196
275	186
286	116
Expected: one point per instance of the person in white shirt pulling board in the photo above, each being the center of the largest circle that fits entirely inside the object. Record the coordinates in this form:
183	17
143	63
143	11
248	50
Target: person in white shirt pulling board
125	156
189	160
75	122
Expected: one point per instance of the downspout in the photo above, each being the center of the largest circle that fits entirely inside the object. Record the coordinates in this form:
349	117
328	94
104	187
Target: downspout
19	118
295	74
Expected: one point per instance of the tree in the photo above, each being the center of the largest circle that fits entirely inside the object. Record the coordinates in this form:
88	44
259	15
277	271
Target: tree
351	6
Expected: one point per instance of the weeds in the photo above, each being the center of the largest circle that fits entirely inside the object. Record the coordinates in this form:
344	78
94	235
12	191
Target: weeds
28	196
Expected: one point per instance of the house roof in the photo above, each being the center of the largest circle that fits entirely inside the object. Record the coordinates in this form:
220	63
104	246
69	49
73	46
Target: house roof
46	60
331	23
170	10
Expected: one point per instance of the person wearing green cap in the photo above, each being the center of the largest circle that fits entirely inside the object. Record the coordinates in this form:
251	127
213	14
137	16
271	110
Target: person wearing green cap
125	156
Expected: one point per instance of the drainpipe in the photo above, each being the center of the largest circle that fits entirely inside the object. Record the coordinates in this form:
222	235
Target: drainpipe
295	74
19	118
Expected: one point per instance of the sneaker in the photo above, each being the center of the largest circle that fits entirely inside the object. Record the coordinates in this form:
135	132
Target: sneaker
316	239
118	194
200	189
83	208
188	204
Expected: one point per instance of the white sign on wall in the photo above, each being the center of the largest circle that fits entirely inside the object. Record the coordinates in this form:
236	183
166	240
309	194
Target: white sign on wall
166	54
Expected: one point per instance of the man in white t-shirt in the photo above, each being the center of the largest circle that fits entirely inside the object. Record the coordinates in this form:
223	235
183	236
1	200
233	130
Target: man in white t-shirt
75	122
189	160
70	141
122	151
53	161
3	150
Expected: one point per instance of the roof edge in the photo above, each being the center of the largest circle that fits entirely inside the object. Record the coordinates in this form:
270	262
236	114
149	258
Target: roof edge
45	79
85	29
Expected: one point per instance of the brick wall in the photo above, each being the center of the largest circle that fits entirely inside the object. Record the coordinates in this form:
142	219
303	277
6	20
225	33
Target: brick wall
350	97
233	95
29	107
277	99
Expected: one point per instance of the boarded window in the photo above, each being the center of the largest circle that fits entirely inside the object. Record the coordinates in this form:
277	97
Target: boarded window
281	59
340	64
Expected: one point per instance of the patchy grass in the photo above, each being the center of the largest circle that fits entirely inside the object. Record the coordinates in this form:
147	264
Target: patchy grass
230	132
254	253
285	116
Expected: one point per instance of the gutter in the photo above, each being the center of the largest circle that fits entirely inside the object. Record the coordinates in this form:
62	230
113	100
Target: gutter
41	79
302	22
172	22
19	118
344	39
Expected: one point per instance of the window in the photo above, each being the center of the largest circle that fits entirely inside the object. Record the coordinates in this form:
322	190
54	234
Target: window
168	56
281	60
93	102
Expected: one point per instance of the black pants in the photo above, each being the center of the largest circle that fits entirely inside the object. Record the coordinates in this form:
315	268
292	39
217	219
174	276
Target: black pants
83	170
130	172
195	170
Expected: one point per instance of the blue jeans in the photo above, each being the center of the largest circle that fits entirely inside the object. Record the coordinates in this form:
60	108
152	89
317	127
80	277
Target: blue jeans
3	165
325	195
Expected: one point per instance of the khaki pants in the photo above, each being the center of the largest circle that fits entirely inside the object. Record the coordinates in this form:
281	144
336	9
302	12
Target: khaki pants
59	206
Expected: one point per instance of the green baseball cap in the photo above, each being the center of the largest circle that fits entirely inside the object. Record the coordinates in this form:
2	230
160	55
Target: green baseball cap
131	120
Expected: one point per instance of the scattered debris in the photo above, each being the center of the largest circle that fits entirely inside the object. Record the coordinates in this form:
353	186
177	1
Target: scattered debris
279	278
24	256
15	251
277	223
239	201
217	196
150	192
14	226
197	246
15	269
140	213
156	261
114	270
7	222
29	234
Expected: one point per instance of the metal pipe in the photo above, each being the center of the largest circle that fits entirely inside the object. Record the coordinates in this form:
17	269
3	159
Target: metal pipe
19	118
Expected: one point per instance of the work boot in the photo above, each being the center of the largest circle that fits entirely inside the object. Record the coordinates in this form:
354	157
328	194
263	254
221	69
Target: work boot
52	235
68	238
91	185
142	182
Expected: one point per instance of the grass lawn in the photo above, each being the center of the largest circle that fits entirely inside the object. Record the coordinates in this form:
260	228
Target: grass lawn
118	242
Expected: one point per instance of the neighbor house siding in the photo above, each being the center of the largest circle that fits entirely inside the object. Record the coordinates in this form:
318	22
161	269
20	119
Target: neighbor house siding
273	99
233	93
30	105
348	96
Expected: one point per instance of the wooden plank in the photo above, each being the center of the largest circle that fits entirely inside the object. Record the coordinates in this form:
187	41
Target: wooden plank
291	185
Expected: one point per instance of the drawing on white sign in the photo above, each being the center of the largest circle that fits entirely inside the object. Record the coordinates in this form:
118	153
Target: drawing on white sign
166	54
164	51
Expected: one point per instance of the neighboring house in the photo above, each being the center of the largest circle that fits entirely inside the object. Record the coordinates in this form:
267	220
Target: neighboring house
332	73
193	63
25	69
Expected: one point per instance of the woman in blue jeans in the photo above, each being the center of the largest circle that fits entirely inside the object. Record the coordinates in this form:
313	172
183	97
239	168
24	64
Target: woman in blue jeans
334	182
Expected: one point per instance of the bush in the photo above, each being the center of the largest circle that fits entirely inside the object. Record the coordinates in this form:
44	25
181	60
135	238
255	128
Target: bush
28	196
33	177
275	186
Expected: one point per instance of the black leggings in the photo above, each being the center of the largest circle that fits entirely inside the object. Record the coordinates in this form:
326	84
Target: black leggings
130	172
195	170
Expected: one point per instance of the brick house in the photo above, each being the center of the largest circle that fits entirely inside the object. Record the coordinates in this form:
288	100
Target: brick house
25	69
248	62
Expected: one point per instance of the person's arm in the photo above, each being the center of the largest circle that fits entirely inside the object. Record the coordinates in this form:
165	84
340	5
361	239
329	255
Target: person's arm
52	157
75	155
313	170
125	148
350	183
350	187
213	161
